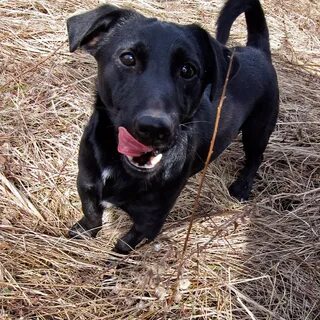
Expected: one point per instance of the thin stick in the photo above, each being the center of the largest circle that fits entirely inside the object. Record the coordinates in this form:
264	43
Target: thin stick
204	170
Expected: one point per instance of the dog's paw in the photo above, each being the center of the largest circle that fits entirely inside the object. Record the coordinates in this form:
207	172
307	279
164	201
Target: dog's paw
129	241
79	231
240	190
122	247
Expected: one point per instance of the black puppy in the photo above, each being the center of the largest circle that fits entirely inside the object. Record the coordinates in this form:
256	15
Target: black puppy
158	88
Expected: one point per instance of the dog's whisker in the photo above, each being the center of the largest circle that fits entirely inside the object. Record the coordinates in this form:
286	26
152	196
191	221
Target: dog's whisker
193	122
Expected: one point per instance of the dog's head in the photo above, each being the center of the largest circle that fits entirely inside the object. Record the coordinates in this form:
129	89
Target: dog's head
151	77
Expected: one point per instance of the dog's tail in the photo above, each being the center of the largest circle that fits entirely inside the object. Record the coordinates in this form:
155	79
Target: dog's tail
258	34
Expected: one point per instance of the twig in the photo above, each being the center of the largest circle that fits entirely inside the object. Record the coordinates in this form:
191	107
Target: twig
204	170
240	295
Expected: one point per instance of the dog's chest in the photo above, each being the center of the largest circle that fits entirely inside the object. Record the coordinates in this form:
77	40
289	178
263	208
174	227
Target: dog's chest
117	188
109	196
107	174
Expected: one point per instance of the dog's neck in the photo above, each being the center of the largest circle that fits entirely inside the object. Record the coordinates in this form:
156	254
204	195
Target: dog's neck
105	133
101	110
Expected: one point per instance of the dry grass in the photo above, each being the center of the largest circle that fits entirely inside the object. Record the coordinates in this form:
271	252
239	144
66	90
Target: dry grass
258	260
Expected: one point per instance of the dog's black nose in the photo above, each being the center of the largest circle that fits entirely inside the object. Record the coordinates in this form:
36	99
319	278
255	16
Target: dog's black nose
153	130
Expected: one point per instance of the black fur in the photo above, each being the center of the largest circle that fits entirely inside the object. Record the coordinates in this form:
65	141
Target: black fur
184	108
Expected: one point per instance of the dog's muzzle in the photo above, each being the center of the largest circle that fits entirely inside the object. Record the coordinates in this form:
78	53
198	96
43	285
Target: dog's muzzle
153	130
141	157
152	133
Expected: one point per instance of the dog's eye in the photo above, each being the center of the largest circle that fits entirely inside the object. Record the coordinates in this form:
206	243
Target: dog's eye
128	59
187	71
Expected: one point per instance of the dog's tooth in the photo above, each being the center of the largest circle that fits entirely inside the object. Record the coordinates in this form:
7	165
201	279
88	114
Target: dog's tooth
156	159
148	166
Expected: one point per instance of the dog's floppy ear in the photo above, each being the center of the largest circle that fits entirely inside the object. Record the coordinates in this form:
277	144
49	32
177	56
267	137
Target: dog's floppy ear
87	29
215	69
216	58
222	59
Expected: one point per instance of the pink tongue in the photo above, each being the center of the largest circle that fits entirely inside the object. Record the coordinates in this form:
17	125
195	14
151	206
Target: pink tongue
129	146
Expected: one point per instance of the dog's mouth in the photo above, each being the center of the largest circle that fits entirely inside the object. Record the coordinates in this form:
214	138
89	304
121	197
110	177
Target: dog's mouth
147	161
138	155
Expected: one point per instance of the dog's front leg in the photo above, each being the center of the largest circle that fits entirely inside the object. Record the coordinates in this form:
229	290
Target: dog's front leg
129	241
91	222
148	215
147	229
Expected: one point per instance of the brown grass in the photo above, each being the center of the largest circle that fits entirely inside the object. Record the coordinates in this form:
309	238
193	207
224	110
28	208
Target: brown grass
258	260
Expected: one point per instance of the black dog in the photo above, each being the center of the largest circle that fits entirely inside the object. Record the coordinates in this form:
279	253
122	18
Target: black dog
158	88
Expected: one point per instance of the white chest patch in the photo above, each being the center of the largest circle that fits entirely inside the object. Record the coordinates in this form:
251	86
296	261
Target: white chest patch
106	174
